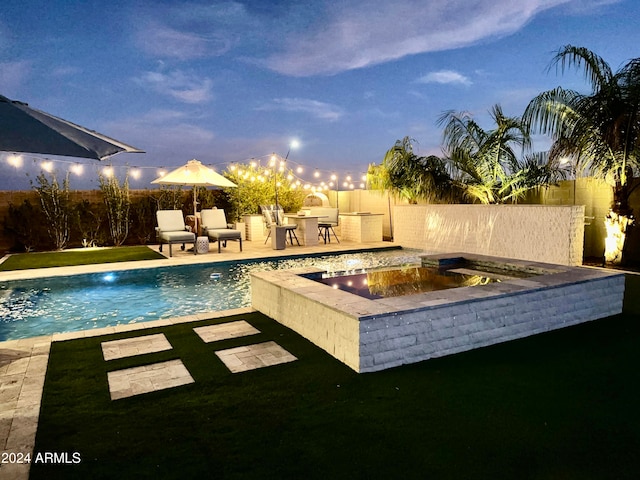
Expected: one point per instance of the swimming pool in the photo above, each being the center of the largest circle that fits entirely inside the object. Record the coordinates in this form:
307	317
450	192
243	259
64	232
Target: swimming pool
48	305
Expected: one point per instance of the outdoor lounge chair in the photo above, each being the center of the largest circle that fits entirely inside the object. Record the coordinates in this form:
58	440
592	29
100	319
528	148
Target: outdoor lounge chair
172	229
269	215
215	226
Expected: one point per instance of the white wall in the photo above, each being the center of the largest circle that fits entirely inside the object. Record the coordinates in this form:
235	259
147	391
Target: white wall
542	233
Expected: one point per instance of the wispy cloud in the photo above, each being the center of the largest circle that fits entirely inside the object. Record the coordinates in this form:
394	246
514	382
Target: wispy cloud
321	110
445	77
187	30
361	33
187	88
166	42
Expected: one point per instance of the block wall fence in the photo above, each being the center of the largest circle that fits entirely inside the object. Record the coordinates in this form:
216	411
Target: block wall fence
596	196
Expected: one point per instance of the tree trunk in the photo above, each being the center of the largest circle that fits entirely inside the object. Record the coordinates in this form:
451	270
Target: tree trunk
616	226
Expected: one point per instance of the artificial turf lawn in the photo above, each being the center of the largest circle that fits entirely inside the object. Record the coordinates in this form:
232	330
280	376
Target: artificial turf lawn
558	405
23	261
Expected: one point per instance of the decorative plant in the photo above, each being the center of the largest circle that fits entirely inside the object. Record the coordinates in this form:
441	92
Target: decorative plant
118	203
56	206
599	132
410	177
256	186
495	166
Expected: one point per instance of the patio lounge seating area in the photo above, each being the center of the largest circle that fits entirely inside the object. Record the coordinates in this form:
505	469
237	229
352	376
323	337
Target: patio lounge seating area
215	226
171	229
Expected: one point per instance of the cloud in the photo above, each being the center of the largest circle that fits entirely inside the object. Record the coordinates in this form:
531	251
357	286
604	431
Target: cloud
445	77
187	88
362	33
321	110
166	42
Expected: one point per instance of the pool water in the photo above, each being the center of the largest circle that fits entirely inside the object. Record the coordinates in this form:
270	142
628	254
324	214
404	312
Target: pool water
395	282
48	305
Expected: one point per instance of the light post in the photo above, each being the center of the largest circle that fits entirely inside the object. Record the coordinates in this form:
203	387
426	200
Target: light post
274	157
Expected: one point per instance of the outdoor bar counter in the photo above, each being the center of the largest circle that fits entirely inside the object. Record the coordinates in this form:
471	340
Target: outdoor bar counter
307	231
361	227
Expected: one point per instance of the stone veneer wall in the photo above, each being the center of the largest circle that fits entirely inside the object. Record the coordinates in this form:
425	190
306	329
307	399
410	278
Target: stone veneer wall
373	335
398	339
551	234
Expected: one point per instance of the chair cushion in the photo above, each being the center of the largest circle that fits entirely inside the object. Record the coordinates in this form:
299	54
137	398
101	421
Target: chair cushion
176	237
223	234
170	220
213	218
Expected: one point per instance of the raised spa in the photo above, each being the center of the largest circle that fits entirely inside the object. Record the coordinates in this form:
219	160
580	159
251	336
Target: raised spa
381	318
411	279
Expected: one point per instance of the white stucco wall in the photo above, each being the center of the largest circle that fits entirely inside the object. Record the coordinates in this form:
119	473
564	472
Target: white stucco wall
542	233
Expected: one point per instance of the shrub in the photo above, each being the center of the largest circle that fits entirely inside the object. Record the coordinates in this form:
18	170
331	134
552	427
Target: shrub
118	203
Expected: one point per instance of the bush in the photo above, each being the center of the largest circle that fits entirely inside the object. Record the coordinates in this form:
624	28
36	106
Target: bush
23	224
56	206
118	203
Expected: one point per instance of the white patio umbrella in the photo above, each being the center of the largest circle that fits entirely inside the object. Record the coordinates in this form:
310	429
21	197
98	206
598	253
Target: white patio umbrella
196	175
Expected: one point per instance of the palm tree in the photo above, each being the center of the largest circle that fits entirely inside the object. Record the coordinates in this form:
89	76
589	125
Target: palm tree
599	132
494	166
409	177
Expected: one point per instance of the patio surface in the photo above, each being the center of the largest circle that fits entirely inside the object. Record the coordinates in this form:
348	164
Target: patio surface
23	363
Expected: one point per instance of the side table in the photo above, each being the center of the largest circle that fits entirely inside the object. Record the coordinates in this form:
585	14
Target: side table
202	245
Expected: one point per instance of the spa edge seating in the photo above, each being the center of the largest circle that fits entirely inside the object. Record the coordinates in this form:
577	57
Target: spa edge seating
214	225
172	229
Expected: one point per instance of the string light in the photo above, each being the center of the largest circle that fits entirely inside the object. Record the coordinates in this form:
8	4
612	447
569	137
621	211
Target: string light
257	172
77	169
15	160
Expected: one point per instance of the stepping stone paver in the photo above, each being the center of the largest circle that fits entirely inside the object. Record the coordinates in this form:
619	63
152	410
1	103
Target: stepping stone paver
250	357
224	331
129	347
148	378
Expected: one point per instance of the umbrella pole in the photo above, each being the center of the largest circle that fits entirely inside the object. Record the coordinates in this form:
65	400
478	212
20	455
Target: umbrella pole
195	208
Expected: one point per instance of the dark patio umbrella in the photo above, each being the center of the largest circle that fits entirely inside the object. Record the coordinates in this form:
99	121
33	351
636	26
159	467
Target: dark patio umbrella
26	130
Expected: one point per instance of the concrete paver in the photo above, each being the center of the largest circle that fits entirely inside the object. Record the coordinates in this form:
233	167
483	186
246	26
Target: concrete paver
148	378
250	357
128	347
225	331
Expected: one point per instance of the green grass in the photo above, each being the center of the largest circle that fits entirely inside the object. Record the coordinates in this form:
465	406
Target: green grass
561	405
23	261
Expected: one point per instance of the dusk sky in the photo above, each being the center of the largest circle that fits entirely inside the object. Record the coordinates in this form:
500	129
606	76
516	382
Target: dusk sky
229	81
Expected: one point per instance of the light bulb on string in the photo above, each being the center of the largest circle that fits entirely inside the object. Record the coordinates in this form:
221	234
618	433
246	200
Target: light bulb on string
15	160
77	169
